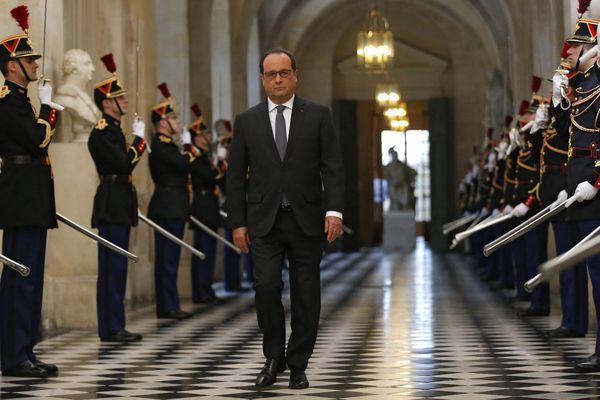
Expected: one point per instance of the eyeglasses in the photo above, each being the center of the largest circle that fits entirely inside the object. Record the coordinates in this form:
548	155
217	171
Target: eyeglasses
284	73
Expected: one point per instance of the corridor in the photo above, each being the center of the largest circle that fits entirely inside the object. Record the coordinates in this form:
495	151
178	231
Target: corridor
412	326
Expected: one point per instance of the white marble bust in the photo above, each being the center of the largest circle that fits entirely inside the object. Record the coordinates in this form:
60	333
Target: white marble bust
81	114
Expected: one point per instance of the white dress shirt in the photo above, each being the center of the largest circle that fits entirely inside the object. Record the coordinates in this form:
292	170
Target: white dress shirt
287	115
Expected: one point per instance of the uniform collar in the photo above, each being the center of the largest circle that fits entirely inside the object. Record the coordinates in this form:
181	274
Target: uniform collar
111	121
16	88
288	104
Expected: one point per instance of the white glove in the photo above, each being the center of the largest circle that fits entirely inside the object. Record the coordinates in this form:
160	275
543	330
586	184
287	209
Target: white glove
186	138
221	152
496	212
519	211
507	209
45	95
541	118
562	196
527	126
501	150
138	127
484	212
559	83
584	191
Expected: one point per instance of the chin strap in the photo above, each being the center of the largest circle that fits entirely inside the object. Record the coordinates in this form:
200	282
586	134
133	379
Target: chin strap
171	127
579	59
24	71
118	107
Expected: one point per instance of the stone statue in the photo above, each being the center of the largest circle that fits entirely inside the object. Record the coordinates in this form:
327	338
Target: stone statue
401	183
81	114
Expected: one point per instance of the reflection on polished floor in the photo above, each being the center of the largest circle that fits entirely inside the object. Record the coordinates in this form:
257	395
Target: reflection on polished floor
412	326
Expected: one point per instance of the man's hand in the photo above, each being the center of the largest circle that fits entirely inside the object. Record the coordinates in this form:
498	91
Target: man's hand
333	228
241	239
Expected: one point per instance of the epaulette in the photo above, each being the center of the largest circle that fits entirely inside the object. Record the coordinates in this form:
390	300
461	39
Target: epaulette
165	139
101	124
4	91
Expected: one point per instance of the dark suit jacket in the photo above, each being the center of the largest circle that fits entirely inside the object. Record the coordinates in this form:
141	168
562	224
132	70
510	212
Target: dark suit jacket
311	173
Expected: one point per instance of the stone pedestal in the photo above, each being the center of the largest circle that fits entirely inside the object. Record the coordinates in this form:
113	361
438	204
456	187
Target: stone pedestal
399	232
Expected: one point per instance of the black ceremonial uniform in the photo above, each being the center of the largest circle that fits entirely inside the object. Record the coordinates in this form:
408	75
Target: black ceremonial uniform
170	208
114	212
205	207
553	179
116	198
27	210
26	171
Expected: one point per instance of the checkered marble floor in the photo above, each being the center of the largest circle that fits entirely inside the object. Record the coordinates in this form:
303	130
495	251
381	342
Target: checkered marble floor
412	326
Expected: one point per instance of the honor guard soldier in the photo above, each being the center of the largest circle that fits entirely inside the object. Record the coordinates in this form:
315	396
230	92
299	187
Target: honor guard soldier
527	176
115	203
553	180
506	278
583	166
231	259
511	184
170	203
27	208
205	207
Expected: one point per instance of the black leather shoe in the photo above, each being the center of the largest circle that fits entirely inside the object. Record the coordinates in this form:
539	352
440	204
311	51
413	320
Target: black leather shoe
175	314
268	375
563	332
239	289
123	336
211	300
298	380
26	369
590	364
532	312
51	369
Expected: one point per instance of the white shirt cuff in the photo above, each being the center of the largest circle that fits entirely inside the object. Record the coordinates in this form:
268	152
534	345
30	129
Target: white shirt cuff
334	214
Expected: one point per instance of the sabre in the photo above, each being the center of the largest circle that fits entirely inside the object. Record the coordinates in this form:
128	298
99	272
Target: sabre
136	116
215	234
170	236
483	225
97	238
561	262
454	225
18	267
44	43
526	226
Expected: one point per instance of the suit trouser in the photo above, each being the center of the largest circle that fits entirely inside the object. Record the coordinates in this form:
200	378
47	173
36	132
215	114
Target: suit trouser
249	267
304	254
504	264
584	228
21	297
166	263
203	270
518	249
536	243
231	265
112	280
573	282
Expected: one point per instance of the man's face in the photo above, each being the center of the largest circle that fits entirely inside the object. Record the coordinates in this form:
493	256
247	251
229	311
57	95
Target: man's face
123	103
29	64
573	54
172	126
279	88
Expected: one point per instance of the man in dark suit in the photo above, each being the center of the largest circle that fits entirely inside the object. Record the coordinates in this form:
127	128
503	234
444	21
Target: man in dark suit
115	202
27	207
285	188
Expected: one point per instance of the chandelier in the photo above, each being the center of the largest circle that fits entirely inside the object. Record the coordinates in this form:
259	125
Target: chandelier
375	43
398	117
387	95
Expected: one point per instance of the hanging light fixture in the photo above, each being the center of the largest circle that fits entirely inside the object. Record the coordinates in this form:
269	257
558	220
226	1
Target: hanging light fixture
401	124
375	43
387	95
395	113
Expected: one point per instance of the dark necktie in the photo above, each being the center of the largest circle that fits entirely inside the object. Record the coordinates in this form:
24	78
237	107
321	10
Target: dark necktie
280	136
281	141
